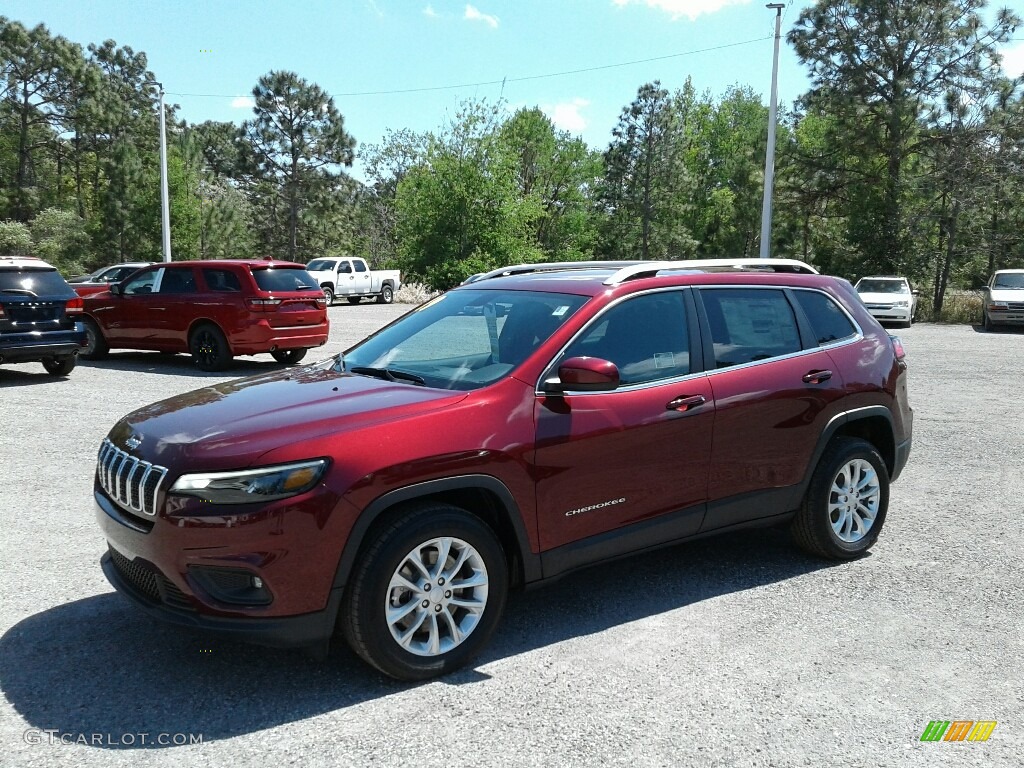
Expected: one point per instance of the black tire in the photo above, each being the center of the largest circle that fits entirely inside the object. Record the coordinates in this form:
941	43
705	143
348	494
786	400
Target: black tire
209	348
95	345
60	366
813	527
329	293
289	356
986	322
386	295
354	299
364	621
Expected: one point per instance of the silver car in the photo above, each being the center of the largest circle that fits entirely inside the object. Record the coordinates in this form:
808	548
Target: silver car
888	299
1003	300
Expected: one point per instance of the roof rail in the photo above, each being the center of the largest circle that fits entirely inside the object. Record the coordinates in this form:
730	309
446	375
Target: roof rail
556	266
651	268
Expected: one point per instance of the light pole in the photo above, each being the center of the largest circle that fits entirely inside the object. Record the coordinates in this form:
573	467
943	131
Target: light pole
165	202
769	162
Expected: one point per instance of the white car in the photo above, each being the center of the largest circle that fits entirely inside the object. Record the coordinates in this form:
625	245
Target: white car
888	299
1003	301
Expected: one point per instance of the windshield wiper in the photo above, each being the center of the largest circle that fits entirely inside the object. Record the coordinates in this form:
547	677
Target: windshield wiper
19	290
388	374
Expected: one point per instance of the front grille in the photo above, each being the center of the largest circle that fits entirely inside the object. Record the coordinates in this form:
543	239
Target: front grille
150	582
1017	306
131	482
879	306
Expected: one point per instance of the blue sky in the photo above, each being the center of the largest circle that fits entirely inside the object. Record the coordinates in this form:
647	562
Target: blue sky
373	56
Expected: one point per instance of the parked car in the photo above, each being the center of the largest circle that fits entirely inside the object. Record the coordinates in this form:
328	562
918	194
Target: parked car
889	299
1003	299
502	434
213	309
103	278
39	316
354	280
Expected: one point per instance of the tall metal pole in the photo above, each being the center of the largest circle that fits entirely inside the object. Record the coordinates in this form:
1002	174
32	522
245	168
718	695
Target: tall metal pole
769	162
165	202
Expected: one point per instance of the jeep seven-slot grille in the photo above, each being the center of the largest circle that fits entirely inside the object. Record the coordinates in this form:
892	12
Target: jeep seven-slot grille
131	482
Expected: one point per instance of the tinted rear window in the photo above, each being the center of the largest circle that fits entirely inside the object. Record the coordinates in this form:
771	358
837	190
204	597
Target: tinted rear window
829	322
285	279
41	282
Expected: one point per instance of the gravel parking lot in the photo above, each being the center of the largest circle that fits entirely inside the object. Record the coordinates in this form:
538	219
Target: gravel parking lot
731	651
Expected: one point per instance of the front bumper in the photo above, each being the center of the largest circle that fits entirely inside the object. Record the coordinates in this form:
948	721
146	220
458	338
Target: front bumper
1006	316
308	629
891	314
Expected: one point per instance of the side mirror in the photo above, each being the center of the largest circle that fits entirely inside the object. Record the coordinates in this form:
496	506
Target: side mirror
116	289
584	374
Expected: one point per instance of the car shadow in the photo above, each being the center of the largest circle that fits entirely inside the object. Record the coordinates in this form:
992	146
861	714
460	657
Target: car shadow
99	666
181	365
28	376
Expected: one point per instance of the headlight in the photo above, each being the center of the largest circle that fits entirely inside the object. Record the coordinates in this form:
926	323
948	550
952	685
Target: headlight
902	304
252	485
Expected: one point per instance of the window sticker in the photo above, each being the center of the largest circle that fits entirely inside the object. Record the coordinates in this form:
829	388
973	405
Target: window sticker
664	360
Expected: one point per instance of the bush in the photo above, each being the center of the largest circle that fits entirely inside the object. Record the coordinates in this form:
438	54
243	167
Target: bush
15	239
957	307
414	293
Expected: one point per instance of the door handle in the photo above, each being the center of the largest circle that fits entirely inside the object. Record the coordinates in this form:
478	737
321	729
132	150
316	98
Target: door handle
816	377
685	402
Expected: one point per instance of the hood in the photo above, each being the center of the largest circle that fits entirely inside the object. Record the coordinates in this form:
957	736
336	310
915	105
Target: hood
230	425
884	298
1006	294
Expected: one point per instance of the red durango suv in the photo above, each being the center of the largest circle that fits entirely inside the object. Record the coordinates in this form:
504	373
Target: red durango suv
535	421
212	309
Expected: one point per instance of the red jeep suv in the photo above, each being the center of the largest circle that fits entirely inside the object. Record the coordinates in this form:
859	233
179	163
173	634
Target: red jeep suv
212	309
535	421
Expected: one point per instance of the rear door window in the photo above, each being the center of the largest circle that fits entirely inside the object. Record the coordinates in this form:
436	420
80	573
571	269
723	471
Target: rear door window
749	324
285	279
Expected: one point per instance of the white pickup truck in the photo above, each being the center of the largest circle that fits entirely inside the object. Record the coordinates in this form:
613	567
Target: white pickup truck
351	278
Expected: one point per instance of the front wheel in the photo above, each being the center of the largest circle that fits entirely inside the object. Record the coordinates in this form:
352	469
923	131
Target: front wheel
427	594
986	321
209	348
386	295
288	356
844	508
60	366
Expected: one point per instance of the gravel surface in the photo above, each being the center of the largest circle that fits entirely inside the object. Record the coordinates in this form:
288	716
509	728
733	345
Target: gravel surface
731	651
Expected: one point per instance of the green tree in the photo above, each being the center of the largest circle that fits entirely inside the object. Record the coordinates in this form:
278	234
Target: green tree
61	238
298	147
15	239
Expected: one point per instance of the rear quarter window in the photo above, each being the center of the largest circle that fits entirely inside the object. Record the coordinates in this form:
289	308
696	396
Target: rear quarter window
829	323
285	279
749	324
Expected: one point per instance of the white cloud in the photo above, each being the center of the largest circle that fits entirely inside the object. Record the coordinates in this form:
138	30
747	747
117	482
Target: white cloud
429	11
1013	60
689	8
243	102
566	115
474	15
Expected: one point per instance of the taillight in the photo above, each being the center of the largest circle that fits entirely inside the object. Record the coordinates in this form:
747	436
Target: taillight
897	345
321	303
75	306
262	305
2	315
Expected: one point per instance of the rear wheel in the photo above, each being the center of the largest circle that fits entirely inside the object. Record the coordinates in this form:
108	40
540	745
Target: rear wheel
328	293
289	356
386	295
209	348
95	345
844	508
354	299
427	594
59	366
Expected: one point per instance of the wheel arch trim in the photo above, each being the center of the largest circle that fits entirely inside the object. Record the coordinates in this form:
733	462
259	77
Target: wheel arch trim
372	513
841	420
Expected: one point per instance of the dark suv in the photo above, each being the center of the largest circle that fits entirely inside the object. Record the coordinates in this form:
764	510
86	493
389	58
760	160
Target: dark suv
534	421
39	315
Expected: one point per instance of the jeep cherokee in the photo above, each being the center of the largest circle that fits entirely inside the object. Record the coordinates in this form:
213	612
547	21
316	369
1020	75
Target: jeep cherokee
537	420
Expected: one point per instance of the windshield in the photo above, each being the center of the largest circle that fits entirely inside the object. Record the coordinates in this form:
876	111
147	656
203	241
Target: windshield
320	265
464	339
1009	280
882	286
